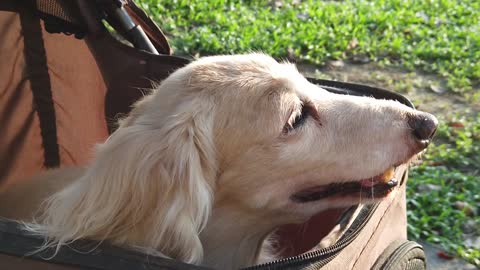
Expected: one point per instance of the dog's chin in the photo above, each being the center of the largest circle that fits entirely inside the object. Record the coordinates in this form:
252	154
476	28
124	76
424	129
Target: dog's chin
375	187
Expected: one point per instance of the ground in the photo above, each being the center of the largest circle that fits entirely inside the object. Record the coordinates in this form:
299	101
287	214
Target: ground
423	89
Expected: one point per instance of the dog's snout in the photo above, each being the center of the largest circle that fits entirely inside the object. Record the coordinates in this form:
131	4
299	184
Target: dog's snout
423	126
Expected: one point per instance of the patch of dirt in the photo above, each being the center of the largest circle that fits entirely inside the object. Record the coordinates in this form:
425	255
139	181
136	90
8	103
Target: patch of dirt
436	262
426	91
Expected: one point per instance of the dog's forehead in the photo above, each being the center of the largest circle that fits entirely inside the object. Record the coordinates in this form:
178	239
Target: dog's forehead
249	71
253	79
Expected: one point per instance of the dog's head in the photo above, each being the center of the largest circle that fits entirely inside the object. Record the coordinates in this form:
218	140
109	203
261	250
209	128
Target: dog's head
260	137
247	134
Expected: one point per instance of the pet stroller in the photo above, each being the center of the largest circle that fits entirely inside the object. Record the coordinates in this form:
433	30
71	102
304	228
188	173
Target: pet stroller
65	79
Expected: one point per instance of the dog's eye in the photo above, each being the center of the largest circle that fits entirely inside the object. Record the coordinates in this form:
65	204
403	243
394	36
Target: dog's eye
299	119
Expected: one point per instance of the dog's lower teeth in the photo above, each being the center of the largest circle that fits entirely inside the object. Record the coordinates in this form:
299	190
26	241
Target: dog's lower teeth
392	183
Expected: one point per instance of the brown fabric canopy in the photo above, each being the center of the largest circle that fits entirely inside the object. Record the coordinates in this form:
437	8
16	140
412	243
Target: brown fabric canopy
60	95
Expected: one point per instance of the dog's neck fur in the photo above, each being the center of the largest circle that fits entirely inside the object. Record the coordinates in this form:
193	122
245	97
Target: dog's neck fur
233	245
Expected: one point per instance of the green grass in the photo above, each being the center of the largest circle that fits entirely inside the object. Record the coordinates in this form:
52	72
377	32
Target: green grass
453	166
440	37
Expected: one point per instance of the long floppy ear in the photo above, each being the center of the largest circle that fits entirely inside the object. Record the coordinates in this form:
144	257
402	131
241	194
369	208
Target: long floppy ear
149	186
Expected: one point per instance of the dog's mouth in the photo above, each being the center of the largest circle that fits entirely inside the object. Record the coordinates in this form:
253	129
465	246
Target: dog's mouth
375	187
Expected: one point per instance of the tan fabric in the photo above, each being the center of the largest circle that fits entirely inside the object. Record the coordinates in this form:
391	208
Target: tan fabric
19	132
87	100
78	92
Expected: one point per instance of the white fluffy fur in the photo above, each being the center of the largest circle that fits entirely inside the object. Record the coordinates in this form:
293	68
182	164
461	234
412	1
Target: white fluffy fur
202	170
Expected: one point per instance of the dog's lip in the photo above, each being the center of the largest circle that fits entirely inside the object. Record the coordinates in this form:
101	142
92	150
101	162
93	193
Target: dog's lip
376	187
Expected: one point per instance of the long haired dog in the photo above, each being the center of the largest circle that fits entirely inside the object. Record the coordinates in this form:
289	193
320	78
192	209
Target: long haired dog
223	152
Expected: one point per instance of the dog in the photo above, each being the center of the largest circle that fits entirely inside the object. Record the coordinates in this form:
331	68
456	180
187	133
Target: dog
220	154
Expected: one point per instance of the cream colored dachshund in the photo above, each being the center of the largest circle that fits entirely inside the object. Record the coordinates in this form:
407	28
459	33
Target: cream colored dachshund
219	155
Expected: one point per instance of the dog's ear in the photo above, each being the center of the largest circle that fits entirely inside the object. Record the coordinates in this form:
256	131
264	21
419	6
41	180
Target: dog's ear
149	186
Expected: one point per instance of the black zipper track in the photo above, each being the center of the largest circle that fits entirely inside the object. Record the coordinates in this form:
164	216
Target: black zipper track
321	257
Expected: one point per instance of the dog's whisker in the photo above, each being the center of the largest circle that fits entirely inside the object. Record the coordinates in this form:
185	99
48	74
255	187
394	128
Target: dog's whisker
371	188
304	230
360	193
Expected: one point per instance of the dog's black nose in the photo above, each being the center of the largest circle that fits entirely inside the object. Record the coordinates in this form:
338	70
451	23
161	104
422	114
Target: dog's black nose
423	125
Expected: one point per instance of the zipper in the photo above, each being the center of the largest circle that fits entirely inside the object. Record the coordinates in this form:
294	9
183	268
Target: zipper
319	258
